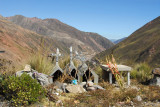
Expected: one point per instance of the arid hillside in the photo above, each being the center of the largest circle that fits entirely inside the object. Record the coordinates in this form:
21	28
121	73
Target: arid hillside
67	35
141	46
18	43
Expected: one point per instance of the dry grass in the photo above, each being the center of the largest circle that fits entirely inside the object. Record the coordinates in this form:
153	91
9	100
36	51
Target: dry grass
66	60
141	72
113	97
102	97
65	78
6	67
41	63
150	93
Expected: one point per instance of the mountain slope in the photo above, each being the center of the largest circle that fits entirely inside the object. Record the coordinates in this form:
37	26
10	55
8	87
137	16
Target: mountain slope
141	46
18	43
84	41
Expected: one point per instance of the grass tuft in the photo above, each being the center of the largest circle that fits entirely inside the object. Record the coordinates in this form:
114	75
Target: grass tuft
40	63
141	72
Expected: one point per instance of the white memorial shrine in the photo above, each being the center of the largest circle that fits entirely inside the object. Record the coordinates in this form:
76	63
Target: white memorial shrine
107	74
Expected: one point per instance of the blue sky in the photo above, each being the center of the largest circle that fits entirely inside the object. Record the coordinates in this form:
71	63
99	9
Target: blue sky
113	19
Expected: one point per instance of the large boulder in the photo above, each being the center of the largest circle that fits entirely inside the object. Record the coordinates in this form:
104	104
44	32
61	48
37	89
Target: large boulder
27	70
75	88
41	78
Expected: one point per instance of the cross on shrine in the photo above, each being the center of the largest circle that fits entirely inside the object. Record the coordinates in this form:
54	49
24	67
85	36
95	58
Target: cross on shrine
81	58
71	56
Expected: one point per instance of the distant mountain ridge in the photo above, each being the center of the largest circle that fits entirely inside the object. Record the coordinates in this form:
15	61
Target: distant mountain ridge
67	35
119	40
20	42
115	41
141	46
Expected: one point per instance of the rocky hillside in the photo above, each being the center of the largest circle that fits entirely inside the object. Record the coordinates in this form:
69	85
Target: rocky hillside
84	41
141	46
18	43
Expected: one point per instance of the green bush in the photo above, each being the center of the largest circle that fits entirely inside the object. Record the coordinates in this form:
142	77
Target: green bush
22	90
141	72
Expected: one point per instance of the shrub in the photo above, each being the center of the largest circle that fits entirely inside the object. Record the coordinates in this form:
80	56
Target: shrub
141	72
22	90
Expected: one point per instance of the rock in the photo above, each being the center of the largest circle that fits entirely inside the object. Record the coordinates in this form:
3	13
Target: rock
91	88
156	78
19	73
59	103
27	68
134	87
64	87
75	88
58	84
90	83
42	78
83	84
138	98
156	71
55	93
59	90
76	101
132	104
98	87
155	81
4	104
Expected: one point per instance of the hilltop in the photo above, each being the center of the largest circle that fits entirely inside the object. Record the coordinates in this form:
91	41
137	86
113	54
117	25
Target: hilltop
68	35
